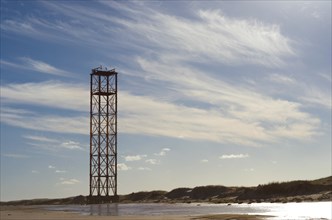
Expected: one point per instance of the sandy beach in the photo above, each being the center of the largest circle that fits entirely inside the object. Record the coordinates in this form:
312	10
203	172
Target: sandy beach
37	213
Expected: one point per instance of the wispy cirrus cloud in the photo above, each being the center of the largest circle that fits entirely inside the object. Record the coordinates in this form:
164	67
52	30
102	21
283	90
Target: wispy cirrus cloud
54	94
27	63
211	35
248	118
53	123
52	144
325	76
71	181
278	78
15	156
40	139
306	93
222	112
71	145
318	97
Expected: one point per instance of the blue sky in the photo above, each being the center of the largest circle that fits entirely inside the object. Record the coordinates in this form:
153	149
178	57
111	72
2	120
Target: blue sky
210	92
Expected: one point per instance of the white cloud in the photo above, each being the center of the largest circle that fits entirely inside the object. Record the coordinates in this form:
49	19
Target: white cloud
144	168
247	117
235	114
69	181
249	170
10	64
204	161
307	93
52	144
213	36
123	167
40	138
36	65
61	171
315	96
282	79
326	76
238	38
44	67
177	121
163	152
210	36
40	122
34	171
71	145
234	156
51	167
134	157
15	156
152	161
54	94
13	111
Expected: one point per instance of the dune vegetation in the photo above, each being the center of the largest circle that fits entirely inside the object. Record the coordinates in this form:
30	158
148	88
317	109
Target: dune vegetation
293	191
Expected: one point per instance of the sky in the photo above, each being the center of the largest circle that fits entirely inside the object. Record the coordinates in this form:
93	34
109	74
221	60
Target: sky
210	93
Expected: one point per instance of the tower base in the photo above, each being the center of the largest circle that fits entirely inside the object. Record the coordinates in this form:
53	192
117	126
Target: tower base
102	199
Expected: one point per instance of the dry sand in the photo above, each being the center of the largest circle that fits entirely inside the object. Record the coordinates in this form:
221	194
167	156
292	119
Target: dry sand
37	213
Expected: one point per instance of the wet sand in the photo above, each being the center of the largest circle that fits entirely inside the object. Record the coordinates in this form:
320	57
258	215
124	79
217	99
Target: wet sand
37	213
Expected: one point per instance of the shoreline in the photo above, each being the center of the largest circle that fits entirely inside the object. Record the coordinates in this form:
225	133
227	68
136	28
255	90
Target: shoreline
319	197
318	190
39	213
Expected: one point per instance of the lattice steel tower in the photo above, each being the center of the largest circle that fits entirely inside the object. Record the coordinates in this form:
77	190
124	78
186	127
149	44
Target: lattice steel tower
103	136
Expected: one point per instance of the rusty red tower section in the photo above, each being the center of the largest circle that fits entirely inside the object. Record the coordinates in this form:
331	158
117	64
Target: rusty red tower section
103	136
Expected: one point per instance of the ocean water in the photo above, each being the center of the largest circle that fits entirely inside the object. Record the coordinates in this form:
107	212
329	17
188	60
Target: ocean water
284	211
